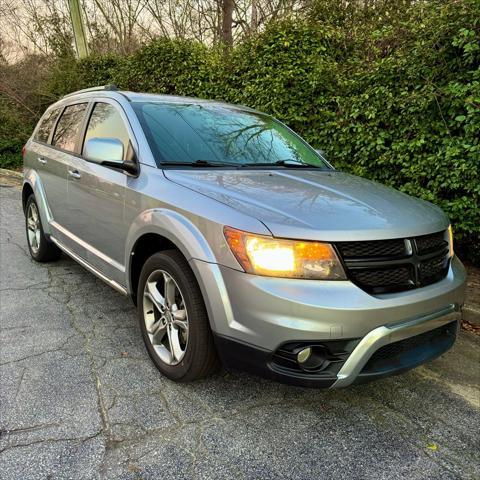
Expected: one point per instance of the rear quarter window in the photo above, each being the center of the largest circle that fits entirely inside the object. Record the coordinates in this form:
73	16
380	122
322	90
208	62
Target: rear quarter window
68	127
46	124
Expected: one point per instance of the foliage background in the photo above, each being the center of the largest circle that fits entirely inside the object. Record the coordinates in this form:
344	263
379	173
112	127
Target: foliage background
392	94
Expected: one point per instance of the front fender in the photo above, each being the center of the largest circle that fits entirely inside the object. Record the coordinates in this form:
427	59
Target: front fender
172	226
31	178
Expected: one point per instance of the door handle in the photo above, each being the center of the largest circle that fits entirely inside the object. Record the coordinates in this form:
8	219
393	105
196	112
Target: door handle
42	160
74	173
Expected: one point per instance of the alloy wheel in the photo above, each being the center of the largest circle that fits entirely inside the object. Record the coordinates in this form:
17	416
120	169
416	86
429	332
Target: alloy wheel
33	228
165	317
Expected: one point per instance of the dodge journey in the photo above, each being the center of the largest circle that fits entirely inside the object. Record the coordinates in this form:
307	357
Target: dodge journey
238	242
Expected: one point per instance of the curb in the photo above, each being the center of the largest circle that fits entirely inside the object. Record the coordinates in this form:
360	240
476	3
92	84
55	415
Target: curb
11	173
12	176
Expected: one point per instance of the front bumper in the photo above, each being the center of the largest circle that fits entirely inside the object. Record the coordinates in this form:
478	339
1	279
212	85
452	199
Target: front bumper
254	317
436	333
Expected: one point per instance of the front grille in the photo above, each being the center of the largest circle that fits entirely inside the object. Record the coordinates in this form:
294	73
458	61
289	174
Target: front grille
384	266
433	270
390	277
376	248
431	243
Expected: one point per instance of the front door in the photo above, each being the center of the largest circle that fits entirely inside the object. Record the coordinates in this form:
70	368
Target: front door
96	197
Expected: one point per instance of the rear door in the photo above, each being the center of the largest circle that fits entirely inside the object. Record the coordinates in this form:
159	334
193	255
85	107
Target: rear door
96	196
40	157
57	159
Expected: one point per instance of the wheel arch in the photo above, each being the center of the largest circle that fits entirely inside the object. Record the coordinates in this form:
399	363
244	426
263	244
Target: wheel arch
145	246
27	190
33	184
157	230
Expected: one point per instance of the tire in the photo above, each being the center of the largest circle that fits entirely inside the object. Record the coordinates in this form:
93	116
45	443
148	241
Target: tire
40	248
183	327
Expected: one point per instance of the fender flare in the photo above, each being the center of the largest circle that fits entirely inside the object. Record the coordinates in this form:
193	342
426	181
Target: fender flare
31	178
172	226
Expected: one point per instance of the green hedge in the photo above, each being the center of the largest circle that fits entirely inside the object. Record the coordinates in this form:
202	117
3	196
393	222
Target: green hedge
398	103
14	130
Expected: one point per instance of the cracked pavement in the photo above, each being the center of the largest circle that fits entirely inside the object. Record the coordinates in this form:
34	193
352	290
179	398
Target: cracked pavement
80	399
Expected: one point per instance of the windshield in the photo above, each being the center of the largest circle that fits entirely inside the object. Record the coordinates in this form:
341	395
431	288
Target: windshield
213	135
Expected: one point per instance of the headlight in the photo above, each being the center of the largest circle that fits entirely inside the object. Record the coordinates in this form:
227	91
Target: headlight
263	255
450	241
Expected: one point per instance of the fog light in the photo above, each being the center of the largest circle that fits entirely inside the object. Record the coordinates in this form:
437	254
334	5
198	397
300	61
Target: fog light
304	355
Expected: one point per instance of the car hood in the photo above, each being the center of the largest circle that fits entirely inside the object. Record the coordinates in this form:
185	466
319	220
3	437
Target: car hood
316	204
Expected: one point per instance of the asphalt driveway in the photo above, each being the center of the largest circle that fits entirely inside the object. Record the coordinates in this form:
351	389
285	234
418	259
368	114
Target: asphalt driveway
80	399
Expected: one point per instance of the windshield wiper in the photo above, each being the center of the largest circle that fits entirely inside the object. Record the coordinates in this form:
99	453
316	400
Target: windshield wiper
281	163
197	163
208	163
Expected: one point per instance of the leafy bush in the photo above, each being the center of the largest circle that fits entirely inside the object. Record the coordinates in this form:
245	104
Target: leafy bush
14	129
392	97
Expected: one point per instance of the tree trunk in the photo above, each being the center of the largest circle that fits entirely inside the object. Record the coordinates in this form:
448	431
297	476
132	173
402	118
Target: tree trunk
227	21
254	20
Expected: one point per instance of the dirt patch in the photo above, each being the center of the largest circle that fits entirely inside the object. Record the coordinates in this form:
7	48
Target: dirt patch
471	314
473	287
10	178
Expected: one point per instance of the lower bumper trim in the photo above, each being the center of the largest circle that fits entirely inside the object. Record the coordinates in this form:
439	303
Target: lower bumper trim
238	355
388	334
411	352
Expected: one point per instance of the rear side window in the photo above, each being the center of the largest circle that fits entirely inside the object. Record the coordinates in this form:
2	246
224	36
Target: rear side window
46	125
68	127
106	122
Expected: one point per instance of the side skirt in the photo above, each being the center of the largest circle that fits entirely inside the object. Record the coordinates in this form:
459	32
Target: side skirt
90	268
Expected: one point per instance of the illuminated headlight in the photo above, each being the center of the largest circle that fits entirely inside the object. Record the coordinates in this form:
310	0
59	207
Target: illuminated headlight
276	257
450	241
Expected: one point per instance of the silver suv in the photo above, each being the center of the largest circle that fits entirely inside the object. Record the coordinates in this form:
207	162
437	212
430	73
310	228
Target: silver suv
238	242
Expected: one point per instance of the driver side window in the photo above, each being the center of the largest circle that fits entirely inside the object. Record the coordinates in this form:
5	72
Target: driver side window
106	122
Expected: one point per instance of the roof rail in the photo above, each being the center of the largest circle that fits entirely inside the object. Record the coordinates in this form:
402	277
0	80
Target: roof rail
93	89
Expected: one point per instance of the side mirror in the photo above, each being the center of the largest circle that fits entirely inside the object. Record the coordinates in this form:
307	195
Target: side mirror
108	152
104	150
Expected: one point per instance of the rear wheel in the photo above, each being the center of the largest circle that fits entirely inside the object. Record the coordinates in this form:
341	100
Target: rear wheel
173	318
41	249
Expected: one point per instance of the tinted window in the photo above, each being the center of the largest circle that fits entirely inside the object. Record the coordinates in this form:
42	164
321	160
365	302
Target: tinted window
68	127
106	122
46	126
221	134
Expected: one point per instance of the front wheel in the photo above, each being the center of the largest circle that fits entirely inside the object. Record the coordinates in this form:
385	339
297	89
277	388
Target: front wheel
173	318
